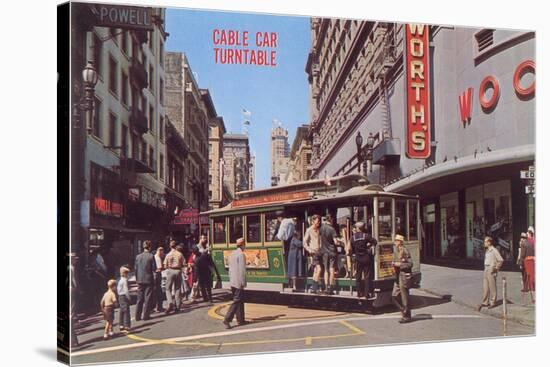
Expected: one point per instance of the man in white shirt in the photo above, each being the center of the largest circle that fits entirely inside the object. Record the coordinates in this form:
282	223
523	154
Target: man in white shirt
159	294
237	280
493	262
124	299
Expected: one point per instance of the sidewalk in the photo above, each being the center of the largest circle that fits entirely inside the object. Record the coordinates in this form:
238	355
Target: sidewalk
465	287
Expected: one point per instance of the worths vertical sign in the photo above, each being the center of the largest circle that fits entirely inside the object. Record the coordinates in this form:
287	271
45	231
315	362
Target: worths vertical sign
417	90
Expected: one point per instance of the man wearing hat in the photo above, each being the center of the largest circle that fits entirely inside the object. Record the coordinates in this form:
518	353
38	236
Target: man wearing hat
362	246
493	262
402	268
237	280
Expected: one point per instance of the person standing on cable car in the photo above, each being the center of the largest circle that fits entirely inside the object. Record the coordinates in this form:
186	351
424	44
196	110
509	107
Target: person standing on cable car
285	233
362	245
328	251
312	244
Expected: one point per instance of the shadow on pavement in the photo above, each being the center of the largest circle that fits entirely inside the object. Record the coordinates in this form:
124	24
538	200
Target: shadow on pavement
51	354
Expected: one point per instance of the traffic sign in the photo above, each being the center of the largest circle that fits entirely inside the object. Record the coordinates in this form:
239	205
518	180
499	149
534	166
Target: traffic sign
527	175
530	189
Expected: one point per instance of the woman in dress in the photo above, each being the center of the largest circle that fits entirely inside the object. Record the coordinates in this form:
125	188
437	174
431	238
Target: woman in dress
295	259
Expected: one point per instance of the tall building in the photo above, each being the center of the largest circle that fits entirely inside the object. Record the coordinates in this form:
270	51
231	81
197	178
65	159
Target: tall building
190	115
252	172
299	166
118	152
473	100
215	163
279	154
236	163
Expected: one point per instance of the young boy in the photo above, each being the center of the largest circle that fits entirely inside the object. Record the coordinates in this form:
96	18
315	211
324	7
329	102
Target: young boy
124	299
108	304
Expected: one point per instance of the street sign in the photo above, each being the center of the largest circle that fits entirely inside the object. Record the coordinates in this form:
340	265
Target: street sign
527	175
122	16
530	189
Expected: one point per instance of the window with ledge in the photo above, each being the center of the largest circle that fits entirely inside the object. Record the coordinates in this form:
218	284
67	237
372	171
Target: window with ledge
112	131
97	47
113	75
124	141
151	157
124	89
96	128
161	167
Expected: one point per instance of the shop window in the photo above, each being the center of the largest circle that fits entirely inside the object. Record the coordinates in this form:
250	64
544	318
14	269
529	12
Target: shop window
384	220
219	230
271	227
235	228
253	229
413	220
401	217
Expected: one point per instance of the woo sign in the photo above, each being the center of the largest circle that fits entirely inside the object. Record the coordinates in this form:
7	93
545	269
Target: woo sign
417	93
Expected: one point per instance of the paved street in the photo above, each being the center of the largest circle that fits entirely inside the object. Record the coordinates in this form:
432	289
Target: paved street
198	330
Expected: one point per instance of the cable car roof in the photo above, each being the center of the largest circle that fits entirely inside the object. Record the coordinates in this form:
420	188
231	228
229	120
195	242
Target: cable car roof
260	199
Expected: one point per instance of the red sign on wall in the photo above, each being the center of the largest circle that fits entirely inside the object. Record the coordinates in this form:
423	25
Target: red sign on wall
186	216
107	207
417	90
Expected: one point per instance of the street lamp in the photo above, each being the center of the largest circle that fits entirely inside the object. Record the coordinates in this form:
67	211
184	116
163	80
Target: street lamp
86	103
359	144
370	146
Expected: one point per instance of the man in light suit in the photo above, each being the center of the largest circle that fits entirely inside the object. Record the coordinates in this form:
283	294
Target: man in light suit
237	280
145	268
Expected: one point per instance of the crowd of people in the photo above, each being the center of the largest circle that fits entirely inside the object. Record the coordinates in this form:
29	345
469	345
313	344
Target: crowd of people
190	276
193	275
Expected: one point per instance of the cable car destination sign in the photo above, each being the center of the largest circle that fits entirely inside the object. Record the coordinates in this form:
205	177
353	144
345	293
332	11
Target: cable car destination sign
417	71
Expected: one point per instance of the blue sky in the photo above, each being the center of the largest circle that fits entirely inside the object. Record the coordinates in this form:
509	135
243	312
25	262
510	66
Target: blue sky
269	93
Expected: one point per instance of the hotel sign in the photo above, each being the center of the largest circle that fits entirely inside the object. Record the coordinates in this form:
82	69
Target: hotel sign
125	17
417	71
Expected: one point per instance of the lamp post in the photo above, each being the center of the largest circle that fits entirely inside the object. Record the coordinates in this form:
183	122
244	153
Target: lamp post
86	103
359	144
370	146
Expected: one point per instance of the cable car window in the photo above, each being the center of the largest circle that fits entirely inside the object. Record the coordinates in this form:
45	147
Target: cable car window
219	230
384	219
253	228
401	217
235	228
271	227
413	220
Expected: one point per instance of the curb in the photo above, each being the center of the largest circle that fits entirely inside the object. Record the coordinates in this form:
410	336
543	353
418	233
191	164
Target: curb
490	312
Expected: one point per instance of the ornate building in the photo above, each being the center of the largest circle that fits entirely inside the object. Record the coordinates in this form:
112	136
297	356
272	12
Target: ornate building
236	163
215	163
477	93
299	167
190	115
279	154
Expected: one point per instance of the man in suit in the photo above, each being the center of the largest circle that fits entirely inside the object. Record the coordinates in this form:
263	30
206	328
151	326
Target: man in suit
237	280
145	268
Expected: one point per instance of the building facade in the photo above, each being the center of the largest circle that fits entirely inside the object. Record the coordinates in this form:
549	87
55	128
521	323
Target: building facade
118	154
215	163
236	163
299	166
279	155
189	114
479	123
